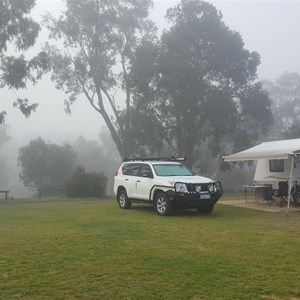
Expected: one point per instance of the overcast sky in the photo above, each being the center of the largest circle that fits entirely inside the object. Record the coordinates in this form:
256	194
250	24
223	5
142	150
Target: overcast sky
269	27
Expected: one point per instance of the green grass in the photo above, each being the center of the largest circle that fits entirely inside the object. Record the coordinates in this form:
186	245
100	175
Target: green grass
62	249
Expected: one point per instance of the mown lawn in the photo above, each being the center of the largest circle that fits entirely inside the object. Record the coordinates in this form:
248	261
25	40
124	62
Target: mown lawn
94	250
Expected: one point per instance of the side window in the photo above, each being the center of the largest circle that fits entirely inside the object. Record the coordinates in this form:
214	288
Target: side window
134	169
276	165
125	169
146	171
297	165
131	169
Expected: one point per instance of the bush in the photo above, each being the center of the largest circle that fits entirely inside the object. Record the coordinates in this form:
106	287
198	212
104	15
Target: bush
86	184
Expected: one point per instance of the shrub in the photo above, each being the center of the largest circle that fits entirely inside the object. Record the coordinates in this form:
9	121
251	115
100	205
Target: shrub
86	184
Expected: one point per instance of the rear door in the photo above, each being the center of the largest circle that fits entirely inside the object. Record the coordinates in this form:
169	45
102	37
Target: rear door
130	173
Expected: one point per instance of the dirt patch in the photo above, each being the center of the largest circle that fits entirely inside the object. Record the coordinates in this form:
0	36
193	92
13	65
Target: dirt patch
258	205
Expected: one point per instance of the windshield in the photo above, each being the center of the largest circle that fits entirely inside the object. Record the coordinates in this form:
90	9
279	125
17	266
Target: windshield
172	170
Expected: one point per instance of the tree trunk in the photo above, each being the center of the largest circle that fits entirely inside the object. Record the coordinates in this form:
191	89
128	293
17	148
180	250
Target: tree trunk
189	153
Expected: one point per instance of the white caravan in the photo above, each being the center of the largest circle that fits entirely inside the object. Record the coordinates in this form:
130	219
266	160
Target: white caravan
278	166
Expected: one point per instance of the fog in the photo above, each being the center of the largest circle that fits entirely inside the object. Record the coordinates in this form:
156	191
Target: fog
269	27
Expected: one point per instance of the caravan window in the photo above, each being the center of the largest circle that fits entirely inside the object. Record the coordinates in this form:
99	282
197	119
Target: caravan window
276	165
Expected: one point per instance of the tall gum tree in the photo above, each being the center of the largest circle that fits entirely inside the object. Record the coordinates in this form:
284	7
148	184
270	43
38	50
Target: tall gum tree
203	84
99	41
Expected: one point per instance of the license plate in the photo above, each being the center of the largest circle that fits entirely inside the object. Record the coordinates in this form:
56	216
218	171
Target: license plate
205	196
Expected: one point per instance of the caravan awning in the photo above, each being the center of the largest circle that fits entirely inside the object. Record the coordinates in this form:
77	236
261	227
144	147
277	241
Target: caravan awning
269	150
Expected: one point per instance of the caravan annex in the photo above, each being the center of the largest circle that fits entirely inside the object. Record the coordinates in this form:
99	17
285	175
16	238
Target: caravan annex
276	161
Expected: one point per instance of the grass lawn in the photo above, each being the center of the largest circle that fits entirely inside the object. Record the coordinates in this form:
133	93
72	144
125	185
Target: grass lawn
62	249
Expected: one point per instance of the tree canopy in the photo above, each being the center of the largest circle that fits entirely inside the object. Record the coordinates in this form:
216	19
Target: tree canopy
202	83
18	31
195	85
45	165
99	41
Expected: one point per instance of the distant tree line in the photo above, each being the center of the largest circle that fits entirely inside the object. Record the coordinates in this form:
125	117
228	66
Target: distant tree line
191	91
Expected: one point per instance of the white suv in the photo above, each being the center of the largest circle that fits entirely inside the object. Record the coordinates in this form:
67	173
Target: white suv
165	183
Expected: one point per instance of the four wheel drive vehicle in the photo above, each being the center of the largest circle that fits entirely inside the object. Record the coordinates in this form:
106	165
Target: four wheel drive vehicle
165	183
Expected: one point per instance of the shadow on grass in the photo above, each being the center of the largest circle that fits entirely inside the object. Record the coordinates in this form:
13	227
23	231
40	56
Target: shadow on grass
175	212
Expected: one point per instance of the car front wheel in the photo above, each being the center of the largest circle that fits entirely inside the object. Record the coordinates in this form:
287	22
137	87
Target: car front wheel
123	199
162	204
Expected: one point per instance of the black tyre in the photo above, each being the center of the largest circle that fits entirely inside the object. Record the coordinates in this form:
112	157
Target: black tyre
162	204
123	199
207	209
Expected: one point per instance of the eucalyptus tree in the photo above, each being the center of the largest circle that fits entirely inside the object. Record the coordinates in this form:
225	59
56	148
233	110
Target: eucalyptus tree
98	42
202	82
18	32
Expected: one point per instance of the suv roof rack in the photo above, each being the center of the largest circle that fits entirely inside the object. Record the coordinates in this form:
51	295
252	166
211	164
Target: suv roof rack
154	159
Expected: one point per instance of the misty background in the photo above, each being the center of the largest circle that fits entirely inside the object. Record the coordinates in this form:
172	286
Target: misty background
270	28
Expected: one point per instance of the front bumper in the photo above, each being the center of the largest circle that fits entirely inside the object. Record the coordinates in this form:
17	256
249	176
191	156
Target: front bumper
193	199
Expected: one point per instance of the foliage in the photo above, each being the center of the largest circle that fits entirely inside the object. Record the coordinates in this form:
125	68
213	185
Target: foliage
285	95
86	184
4	137
98	157
99	41
198	83
45	165
235	253
203	83
19	31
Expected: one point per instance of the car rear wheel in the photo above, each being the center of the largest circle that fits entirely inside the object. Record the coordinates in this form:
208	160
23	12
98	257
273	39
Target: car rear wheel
207	209
123	199
162	204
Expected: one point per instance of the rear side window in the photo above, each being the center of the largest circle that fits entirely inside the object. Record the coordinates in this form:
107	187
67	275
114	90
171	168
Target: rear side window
131	169
125	169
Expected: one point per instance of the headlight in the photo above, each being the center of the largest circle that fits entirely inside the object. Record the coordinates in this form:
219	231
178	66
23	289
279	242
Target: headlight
198	188
181	188
211	188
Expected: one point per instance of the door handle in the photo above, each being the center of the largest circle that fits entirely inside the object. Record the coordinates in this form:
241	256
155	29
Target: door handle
138	181
126	179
